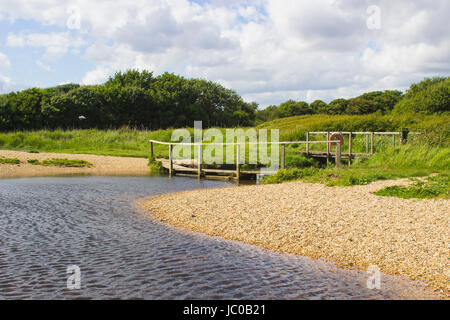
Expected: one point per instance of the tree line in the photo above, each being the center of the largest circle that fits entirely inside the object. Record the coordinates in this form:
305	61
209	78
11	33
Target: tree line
138	99
430	96
133	98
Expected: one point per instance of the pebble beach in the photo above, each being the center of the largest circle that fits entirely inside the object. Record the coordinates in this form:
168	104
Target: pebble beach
349	226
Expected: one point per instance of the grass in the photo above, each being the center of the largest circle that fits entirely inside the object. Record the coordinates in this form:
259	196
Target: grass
341	177
4	160
424	154
74	163
33	161
122	142
410	156
433	187
135	143
435	128
414	160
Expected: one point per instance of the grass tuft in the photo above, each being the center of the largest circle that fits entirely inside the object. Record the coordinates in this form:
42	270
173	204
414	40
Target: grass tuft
33	161
434	187
67	163
4	160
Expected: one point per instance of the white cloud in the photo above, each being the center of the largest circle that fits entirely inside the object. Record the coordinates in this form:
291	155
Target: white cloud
268	50
56	44
96	76
13	40
5	84
43	66
4	61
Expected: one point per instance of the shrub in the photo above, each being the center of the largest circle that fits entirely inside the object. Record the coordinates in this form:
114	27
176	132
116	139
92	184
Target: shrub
33	161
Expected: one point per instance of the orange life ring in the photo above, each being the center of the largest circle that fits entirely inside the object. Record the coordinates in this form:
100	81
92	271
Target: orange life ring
337	136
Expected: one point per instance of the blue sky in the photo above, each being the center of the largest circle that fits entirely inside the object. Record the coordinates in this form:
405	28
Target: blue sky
267	50
25	70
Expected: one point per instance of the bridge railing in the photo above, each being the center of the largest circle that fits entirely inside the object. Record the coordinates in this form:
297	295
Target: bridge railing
338	154
238	145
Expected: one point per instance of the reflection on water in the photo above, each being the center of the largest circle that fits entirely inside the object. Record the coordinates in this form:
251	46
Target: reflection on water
47	224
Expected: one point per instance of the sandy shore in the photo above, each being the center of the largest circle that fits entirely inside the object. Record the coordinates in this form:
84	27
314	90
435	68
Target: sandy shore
348	225
102	165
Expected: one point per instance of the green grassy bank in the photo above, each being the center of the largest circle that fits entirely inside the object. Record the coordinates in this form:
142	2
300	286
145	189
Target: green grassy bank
408	161
133	142
423	155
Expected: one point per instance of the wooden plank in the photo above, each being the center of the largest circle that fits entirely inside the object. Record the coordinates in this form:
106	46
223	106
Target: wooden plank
283	156
386	133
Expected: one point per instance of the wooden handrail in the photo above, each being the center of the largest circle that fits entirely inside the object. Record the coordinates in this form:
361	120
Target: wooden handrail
236	143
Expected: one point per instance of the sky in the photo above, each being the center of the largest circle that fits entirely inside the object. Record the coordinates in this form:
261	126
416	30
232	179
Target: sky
268	51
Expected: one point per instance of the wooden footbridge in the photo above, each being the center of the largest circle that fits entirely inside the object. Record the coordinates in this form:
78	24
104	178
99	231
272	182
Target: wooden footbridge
196	167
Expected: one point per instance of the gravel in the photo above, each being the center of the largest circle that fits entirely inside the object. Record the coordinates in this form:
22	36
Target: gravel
348	225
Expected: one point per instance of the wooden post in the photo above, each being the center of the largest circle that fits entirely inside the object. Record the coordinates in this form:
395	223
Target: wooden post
328	147
283	156
338	154
152	155
404	136
200	160
393	140
307	143
349	149
367	143
238	158
372	138
328	144
170	160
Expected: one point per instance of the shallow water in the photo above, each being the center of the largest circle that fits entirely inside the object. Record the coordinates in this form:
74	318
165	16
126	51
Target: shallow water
47	224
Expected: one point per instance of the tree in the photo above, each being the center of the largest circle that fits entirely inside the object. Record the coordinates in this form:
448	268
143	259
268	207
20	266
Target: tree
304	108
318	106
132	78
432	95
360	105
28	107
384	101
292	108
241	118
65	110
268	114
337	106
